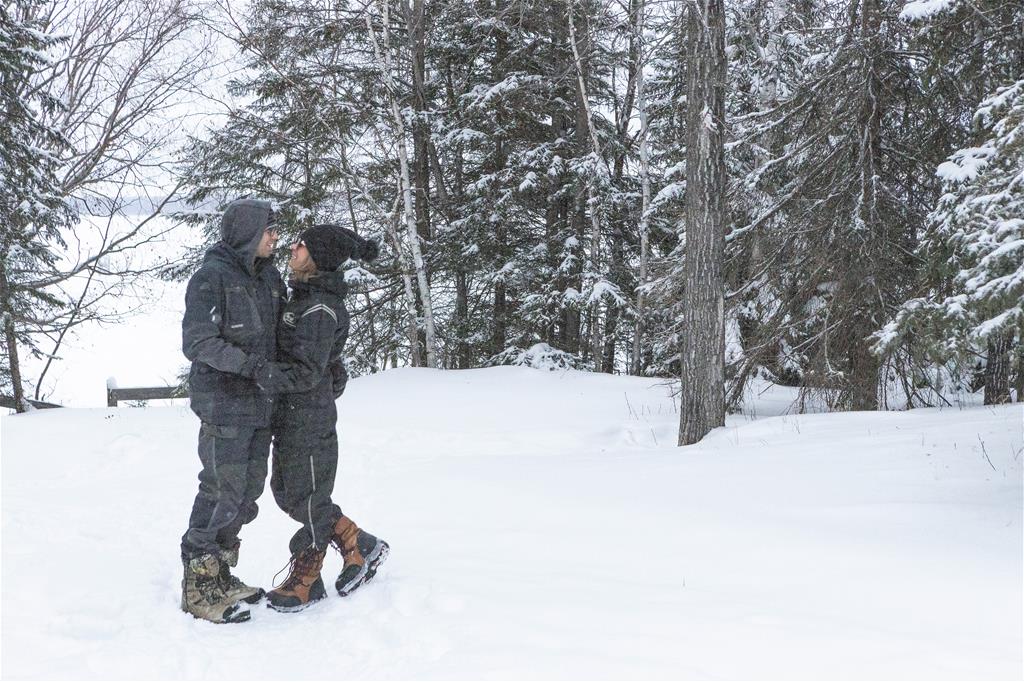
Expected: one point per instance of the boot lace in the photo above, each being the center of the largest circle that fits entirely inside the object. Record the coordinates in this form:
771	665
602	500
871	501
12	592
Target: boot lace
228	579
340	549
346	544
300	565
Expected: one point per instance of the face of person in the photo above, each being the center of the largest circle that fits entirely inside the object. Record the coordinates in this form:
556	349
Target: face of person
267	243
300	260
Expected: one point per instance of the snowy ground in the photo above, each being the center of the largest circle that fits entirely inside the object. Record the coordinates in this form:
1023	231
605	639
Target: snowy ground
542	525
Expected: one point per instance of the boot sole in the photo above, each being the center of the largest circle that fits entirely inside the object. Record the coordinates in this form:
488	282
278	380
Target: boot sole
295	609
314	597
232	614
376	557
236	614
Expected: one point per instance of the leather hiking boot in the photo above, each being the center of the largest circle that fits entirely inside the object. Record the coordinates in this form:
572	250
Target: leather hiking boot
233	587
303	586
363	554
203	596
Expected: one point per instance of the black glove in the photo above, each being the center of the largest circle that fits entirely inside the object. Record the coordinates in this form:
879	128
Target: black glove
250	366
339	378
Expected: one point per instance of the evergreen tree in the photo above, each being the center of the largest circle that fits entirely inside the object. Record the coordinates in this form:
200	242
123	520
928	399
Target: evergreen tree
840	166
32	208
770	44
667	174
974	249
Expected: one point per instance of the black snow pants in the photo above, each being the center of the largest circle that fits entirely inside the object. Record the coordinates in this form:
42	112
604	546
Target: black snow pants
305	461
234	460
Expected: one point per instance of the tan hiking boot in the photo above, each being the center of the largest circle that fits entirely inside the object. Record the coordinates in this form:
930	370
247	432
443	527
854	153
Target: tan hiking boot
203	596
303	586
363	554
233	587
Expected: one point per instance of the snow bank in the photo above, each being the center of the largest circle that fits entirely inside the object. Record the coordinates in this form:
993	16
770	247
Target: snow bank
543	525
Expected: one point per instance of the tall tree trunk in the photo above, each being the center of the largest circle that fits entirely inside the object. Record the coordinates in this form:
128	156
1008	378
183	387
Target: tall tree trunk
403	262
384	57
863	364
499	337
415	26
585	120
463	354
412	325
574	313
566	217
11	341
1018	377
463	359
645	187
613	312
617	272
703	339
552	228
416	23
997	369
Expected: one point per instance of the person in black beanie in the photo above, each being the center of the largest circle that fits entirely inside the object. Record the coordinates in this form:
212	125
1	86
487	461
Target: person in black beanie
307	378
330	246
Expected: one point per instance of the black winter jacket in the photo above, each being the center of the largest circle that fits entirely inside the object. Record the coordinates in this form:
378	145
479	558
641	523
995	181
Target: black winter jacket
311	339
232	307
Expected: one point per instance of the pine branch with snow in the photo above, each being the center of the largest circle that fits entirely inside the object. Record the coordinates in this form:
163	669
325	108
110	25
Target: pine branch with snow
975	243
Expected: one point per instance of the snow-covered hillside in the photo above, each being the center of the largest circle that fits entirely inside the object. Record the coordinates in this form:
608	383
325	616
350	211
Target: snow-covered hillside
542	525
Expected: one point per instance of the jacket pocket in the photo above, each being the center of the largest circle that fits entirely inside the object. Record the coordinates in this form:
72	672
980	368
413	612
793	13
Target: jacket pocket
241	317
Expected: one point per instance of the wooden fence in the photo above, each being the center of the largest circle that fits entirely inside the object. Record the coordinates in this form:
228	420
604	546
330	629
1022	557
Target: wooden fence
8	402
114	395
149	393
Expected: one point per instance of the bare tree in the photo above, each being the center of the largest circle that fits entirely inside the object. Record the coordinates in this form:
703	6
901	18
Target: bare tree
383	53
121	77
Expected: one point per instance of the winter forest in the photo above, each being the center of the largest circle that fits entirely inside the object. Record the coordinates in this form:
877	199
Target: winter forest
821	194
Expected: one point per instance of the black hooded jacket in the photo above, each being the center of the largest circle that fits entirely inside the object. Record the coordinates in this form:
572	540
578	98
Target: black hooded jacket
311	339
232	307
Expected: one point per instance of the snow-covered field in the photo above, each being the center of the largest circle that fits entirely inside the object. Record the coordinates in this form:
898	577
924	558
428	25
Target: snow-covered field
542	525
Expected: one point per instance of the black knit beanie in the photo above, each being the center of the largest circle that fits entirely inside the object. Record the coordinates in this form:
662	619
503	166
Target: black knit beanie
331	245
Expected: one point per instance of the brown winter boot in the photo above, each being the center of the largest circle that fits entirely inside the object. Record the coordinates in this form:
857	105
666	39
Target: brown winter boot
203	596
303	586
363	554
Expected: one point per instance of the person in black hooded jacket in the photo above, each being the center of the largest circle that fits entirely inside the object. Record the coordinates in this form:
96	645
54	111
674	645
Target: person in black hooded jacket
307	379
232	306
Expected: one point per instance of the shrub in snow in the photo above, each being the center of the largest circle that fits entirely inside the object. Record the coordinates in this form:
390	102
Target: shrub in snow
538	356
